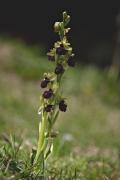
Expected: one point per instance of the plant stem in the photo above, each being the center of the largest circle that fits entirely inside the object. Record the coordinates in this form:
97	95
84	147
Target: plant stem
41	139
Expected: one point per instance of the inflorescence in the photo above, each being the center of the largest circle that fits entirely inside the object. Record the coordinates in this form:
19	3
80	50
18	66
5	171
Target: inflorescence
62	56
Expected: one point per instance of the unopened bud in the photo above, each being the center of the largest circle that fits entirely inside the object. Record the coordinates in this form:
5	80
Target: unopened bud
66	18
57	26
64	15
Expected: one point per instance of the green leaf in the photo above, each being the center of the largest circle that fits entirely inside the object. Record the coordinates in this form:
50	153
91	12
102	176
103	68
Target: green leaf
49	150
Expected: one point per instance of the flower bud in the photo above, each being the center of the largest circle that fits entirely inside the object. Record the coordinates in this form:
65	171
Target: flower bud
66	18
64	15
57	26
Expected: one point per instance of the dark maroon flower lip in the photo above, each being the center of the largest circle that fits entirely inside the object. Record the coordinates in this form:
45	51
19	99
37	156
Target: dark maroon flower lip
48	94
61	50
59	69
71	62
44	82
62	106
48	108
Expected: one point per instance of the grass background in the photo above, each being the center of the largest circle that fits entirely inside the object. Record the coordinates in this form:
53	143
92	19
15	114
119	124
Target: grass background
89	131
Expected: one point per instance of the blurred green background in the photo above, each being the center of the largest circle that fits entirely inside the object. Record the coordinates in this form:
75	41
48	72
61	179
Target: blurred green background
89	132
92	123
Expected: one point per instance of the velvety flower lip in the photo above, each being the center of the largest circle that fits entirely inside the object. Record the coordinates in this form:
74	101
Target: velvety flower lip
44	82
62	106
59	69
48	108
48	94
61	50
71	62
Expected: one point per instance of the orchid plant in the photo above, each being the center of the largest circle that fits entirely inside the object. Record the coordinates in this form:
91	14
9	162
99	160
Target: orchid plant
51	100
